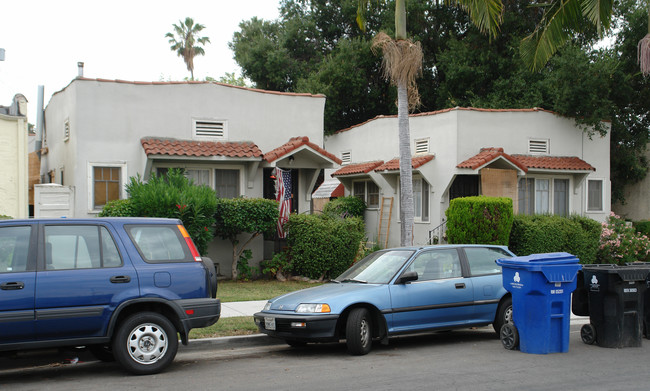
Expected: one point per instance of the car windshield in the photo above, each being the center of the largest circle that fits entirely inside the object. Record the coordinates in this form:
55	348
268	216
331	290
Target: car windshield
377	268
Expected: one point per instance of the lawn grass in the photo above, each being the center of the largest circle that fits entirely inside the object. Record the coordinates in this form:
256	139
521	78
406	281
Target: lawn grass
229	290
226	327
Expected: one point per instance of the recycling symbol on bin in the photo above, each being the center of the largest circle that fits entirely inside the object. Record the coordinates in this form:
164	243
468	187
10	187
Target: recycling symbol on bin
516	278
594	280
594	284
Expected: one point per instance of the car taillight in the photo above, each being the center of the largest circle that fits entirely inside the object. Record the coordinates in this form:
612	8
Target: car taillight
190	243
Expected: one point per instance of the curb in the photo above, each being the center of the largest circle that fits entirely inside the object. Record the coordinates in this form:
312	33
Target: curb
239	341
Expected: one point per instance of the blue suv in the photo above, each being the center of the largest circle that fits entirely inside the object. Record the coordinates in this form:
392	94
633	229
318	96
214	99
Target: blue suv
125	288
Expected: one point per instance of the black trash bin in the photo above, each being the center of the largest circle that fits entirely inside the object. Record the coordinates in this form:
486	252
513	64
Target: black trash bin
616	309
646	297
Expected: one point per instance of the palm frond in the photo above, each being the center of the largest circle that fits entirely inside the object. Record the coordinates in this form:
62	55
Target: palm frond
552	32
485	14
598	12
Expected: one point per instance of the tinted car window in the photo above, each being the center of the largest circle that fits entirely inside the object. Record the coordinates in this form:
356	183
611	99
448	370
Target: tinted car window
14	245
438	264
79	247
160	243
482	260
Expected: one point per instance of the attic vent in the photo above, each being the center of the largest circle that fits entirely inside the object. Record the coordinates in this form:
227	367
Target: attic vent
346	157
422	146
211	129
538	146
66	130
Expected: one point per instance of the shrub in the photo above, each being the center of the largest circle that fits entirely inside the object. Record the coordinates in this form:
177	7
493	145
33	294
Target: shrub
175	196
235	216
345	207
479	220
321	246
620	243
118	208
545	234
642	227
5	217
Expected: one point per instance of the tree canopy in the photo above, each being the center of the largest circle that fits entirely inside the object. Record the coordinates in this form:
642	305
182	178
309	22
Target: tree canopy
315	46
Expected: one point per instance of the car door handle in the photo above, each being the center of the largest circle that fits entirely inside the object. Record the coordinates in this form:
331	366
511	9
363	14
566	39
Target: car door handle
120	279
12	286
460	286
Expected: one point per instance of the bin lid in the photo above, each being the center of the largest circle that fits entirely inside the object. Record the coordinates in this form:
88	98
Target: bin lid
536	260
629	272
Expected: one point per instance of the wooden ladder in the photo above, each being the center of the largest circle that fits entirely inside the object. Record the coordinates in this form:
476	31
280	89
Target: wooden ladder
384	221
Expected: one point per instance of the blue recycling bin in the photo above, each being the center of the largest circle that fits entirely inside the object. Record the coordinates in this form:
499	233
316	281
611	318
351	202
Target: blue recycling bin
541	287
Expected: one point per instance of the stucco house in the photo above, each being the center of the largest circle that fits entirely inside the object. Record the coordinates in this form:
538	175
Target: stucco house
14	159
101	132
541	160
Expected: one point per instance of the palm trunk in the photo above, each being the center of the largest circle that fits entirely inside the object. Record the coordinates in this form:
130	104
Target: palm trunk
405	170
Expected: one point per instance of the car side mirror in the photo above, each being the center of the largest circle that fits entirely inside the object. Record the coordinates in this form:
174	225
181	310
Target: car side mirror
407	277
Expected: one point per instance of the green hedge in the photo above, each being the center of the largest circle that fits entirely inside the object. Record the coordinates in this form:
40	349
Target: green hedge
642	227
479	220
118	208
345	207
322	246
546	234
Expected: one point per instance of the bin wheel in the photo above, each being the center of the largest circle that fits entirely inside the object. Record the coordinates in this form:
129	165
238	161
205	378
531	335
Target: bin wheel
509	336
588	334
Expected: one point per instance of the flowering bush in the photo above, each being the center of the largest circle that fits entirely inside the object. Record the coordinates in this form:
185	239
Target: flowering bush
620	243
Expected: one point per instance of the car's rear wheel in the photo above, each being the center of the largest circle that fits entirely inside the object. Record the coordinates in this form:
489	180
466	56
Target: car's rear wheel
504	314
358	332
145	343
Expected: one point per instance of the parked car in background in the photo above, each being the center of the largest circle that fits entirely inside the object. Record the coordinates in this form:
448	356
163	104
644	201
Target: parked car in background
122	287
392	292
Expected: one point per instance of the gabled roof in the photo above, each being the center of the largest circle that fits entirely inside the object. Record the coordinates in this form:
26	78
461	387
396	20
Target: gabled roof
571	163
294	144
489	155
359	168
173	147
416	162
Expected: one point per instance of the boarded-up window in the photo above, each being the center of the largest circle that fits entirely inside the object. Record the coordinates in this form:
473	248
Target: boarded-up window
106	181
499	183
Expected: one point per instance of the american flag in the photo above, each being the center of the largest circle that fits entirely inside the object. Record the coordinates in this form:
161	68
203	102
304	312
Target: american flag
283	196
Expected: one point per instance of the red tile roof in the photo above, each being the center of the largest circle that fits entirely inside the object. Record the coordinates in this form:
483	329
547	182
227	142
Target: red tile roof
572	163
153	146
295	143
486	156
360	168
416	162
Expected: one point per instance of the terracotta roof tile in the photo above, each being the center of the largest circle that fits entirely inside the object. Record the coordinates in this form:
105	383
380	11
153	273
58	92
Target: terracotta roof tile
486	156
360	168
173	147
572	163
416	162
295	143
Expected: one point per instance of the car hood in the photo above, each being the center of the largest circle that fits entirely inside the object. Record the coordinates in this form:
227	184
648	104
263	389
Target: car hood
336	295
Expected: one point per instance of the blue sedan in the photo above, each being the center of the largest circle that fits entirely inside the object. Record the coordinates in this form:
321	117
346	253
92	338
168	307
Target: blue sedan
392	292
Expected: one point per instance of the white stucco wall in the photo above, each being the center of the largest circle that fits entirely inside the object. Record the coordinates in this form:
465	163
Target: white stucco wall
458	134
13	166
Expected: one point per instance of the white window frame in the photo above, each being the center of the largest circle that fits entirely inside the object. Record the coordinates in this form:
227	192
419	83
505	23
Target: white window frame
91	183
212	168
602	195
428	195
551	192
366	193
224	131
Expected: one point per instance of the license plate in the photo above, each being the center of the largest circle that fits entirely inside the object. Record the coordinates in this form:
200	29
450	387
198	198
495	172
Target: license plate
269	323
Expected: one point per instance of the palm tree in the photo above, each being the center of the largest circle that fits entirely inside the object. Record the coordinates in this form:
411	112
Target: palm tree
185	43
402	63
561	19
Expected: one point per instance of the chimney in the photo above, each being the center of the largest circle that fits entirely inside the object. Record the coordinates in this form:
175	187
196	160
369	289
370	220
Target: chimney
80	67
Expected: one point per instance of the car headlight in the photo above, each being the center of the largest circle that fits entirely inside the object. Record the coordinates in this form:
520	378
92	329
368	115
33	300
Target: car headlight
267	306
313	308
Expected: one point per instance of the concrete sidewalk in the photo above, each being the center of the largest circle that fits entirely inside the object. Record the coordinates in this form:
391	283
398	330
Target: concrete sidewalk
241	308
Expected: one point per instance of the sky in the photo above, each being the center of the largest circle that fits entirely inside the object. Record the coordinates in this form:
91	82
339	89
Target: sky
117	39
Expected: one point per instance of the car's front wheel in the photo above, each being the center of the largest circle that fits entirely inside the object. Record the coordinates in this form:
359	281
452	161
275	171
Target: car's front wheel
504	314
145	343
358	332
